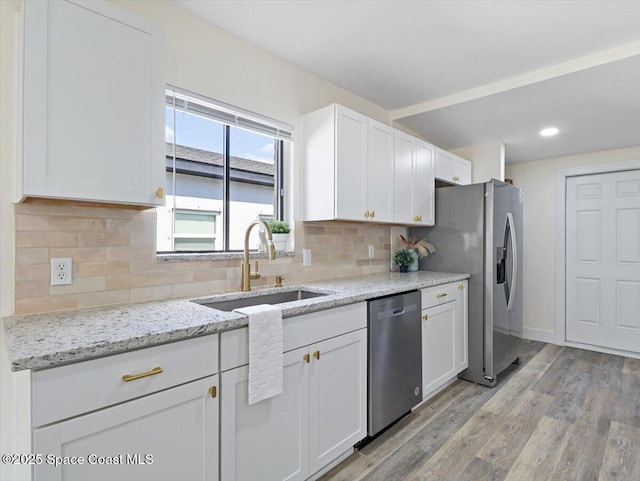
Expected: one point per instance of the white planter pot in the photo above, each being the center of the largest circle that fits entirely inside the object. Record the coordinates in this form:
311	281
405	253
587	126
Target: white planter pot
280	242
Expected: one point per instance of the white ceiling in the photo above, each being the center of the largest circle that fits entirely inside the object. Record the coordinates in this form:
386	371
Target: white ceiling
462	73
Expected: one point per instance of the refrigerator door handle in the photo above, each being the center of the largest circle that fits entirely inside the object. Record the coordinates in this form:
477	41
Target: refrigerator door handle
514	260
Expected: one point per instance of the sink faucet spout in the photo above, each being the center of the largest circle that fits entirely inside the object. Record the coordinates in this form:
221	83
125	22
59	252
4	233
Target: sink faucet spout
247	275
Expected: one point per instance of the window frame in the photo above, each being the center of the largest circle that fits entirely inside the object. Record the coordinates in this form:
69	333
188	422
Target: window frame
243	120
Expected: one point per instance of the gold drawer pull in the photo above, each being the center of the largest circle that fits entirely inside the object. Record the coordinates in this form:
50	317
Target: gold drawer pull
213	390
307	358
425	317
439	296
373	214
460	286
366	214
133	377
456	178
316	354
160	193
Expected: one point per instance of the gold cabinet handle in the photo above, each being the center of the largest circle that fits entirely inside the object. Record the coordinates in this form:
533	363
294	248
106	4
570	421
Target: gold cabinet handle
456	178
415	218
425	317
160	193
316	354
420	218
133	377
213	391
460	286
440	296
366	214
307	358
373	214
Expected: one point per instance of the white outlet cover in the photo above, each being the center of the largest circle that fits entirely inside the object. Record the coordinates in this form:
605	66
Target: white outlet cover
306	257
372	251
61	271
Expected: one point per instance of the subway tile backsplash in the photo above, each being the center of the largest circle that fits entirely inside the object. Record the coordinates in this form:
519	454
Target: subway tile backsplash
114	257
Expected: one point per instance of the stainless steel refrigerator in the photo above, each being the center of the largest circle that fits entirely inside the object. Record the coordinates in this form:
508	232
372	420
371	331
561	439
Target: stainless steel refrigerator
479	230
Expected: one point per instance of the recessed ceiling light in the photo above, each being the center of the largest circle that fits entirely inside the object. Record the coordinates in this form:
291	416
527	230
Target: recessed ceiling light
549	132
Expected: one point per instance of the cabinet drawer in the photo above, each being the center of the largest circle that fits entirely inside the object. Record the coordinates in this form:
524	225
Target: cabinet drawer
298	331
433	296
67	391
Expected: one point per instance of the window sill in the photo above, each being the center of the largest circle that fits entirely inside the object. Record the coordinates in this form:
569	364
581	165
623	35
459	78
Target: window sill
216	256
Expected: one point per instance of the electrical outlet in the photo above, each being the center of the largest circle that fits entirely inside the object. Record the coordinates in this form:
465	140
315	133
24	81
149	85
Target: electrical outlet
61	271
306	257
372	251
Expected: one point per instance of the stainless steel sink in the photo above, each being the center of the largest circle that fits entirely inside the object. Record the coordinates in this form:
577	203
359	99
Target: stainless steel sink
275	298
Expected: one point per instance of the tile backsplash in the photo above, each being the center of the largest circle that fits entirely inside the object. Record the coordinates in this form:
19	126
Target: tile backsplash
114	257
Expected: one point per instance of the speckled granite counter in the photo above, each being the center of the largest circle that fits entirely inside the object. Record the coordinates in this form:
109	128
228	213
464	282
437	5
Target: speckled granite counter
37	341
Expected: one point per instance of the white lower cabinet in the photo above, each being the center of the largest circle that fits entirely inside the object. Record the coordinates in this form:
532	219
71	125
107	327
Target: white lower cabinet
267	440
149	414
338	397
319	416
169	435
444	335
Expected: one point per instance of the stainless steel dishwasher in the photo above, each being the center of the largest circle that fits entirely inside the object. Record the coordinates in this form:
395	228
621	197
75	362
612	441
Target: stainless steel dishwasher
395	358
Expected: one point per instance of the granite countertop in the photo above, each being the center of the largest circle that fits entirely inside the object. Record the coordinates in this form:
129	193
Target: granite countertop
38	341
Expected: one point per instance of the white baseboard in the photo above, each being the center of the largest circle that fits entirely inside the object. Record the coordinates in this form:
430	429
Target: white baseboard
606	350
542	335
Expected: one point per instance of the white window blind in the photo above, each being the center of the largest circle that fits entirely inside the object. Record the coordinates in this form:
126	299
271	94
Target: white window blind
228	114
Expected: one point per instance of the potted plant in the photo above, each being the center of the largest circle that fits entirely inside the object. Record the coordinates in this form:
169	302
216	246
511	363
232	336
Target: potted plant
280	233
403	259
418	248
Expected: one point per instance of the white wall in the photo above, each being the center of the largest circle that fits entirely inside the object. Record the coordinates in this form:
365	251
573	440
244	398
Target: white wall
207	60
487	161
538	180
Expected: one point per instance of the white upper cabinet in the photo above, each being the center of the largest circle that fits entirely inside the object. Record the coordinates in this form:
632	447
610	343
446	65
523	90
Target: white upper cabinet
351	132
93	104
348	166
451	168
380	172
414	181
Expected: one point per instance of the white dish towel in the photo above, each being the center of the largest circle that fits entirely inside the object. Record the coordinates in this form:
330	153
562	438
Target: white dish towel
265	351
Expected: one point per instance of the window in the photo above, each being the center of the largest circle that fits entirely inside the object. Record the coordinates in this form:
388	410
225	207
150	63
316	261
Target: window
224	169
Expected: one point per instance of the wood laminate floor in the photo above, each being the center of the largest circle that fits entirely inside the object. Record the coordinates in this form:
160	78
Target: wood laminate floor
564	414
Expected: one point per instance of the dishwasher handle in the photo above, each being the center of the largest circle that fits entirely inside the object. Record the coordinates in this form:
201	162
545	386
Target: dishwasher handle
397	311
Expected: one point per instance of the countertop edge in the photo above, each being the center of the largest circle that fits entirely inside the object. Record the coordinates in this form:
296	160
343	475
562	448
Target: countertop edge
216	322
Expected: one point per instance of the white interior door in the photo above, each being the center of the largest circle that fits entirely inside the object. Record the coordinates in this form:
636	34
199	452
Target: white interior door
603	260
